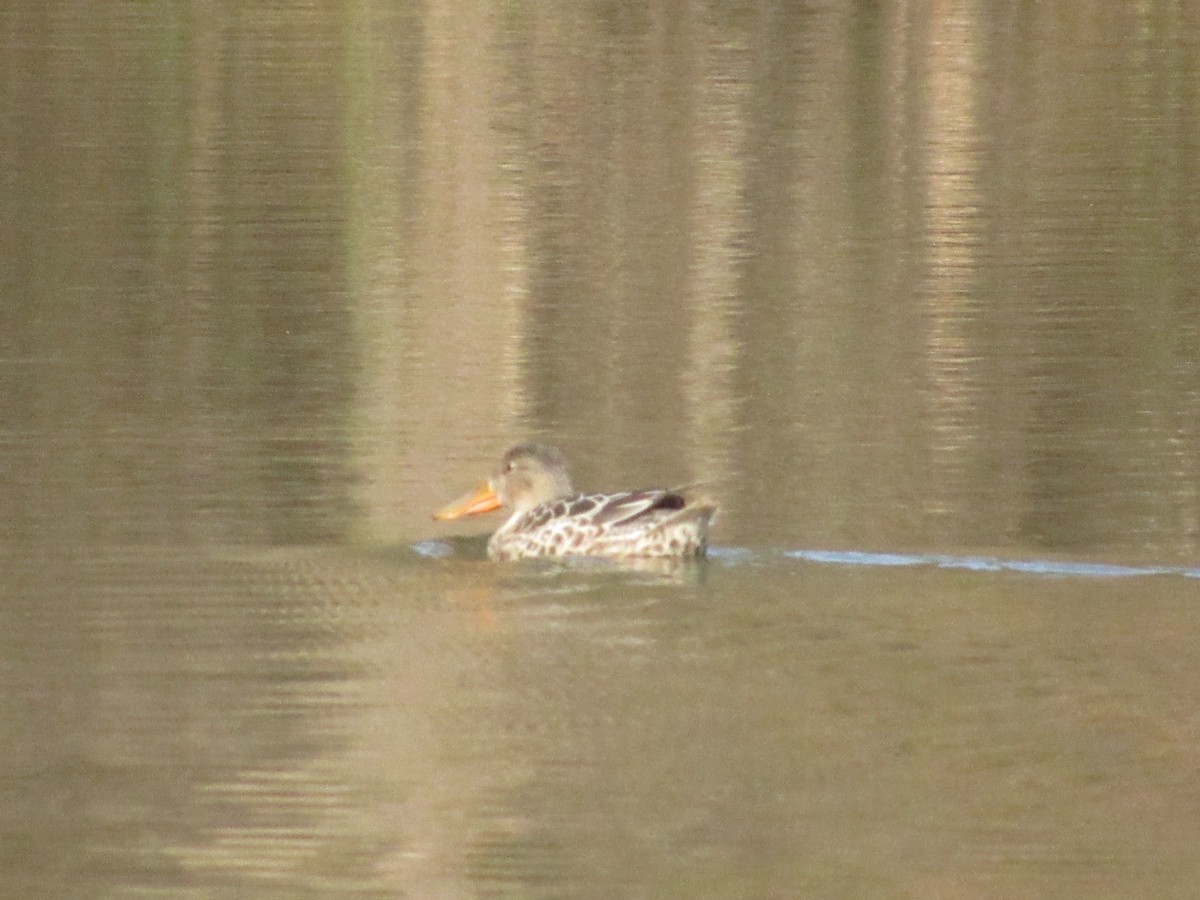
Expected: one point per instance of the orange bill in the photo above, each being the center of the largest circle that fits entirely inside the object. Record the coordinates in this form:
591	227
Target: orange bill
481	500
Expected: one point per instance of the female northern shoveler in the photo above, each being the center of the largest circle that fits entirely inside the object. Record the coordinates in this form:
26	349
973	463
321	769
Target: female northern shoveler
550	519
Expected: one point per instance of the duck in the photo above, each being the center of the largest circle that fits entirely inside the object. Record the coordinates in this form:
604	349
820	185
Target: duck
549	518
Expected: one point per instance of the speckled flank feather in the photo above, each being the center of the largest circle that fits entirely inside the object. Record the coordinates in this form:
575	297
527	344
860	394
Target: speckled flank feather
655	523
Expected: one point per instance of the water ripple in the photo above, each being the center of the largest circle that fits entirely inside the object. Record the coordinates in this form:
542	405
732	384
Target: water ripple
989	564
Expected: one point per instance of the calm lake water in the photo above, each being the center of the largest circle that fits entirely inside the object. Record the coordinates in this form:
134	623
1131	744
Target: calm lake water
914	289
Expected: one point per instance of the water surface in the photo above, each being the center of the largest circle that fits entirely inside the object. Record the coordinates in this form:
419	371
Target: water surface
913	289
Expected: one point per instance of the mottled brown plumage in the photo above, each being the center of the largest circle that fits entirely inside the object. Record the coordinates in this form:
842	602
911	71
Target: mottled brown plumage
549	519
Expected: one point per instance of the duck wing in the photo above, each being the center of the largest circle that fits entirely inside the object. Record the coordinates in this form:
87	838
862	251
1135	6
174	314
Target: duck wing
637	507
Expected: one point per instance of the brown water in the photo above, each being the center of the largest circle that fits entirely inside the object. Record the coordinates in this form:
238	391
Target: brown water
917	287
